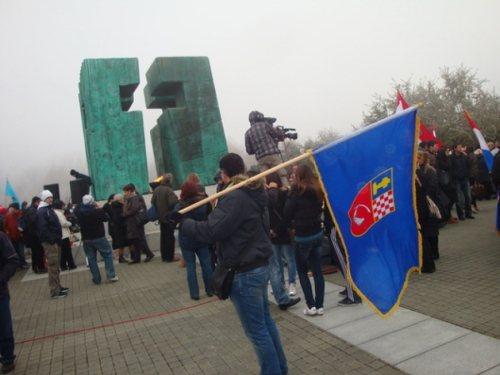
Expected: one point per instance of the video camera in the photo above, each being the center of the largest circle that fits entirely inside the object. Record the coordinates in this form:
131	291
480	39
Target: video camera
281	130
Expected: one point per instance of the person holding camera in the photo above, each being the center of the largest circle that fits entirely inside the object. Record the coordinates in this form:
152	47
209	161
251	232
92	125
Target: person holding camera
261	140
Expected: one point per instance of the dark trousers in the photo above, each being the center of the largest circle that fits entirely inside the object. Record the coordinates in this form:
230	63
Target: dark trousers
140	244
167	242
427	257
6	332
19	247
66	254
37	253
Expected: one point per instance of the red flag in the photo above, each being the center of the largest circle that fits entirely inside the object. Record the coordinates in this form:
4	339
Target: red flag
424	134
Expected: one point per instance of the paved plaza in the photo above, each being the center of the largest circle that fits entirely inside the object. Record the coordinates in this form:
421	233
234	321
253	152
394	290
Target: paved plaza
146	323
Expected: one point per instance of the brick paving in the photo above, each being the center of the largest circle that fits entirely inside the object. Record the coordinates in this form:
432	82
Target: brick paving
147	324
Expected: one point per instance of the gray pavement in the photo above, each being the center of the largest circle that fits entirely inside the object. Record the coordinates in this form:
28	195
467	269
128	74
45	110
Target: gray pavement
146	323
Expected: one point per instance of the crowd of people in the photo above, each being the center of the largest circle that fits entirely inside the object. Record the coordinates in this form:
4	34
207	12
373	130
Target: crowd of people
456	176
253	230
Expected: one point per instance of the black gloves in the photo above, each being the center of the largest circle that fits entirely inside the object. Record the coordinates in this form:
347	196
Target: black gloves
173	218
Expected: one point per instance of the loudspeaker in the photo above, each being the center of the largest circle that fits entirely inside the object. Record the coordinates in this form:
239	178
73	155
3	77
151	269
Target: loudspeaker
54	189
79	188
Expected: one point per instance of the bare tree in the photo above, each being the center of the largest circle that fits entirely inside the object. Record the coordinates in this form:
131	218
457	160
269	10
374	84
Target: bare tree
444	100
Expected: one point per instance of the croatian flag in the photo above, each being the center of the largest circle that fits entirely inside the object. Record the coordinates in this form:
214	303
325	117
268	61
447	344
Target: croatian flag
424	133
488	156
369	181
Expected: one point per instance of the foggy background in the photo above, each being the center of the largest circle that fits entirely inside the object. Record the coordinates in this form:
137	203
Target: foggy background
312	64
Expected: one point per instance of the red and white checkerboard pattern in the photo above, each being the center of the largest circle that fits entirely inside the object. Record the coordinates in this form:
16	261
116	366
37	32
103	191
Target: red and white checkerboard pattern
383	205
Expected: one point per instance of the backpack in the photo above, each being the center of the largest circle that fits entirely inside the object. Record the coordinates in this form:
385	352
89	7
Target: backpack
152	213
141	217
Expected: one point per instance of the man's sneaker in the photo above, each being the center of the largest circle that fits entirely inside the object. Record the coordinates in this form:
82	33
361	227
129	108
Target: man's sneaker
292	290
343	293
8	367
114	278
321	311
310	311
65	290
346	302
60	295
292	302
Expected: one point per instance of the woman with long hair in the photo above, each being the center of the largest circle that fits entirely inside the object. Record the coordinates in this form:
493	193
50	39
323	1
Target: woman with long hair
280	236
302	211
193	178
191	248
427	185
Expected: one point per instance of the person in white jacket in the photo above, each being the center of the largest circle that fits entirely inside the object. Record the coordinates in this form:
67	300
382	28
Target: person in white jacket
67	260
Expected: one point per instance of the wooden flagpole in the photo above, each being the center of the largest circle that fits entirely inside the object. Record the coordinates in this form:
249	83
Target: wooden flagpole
243	183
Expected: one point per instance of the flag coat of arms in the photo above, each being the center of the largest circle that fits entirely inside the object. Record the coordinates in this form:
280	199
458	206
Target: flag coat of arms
368	179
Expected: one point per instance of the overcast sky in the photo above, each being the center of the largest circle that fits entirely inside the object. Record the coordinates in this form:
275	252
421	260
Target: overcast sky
313	64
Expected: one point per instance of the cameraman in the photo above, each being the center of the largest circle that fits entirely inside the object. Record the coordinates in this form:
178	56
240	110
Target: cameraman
261	140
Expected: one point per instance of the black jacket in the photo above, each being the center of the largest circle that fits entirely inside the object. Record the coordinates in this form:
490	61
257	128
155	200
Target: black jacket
119	224
460	167
48	225
9	262
91	220
495	172
303	212
240	216
276	204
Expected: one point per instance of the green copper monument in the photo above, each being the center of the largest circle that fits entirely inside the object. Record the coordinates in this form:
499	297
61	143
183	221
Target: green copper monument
188	137
114	138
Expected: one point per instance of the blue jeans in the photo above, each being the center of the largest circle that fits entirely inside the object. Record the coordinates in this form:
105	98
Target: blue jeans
206	269
276	279
286	251
464	186
101	245
6	332
308	254
250	300
19	247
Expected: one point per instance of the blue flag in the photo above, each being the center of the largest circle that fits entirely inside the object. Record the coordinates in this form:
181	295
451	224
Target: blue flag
9	191
368	177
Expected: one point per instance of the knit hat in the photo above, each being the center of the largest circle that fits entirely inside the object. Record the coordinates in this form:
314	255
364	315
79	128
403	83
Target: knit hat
35	199
46	194
87	199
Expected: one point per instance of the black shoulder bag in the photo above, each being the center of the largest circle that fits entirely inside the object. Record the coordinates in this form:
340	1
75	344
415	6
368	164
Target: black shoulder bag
222	278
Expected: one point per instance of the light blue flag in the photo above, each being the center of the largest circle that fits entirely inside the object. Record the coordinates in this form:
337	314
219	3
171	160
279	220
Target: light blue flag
9	191
368	177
